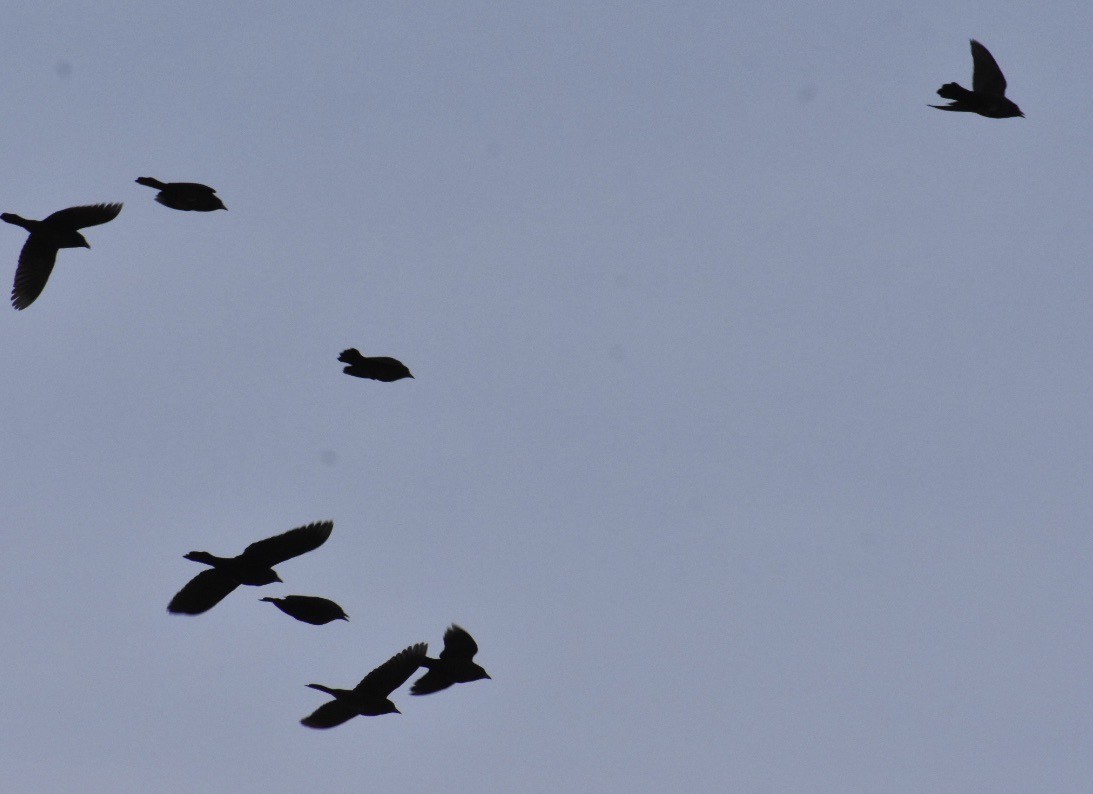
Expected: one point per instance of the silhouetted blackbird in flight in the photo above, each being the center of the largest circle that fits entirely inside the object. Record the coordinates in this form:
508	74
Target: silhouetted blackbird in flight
47	237
254	567
455	665
988	94
377	368
310	609
370	697
184	195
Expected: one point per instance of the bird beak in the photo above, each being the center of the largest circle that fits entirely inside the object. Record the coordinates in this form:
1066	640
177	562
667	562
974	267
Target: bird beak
396	711
86	244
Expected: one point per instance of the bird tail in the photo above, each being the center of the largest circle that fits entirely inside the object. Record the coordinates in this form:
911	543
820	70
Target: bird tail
150	182
11	217
351	356
201	556
953	91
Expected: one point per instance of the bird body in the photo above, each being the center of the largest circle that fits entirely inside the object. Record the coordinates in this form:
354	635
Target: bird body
376	368
186	196
47	237
371	697
455	665
309	609
253	567
988	94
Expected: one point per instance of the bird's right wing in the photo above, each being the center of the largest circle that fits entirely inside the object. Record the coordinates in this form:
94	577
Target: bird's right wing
202	593
81	217
329	714
987	78
36	262
393	673
432	681
288	544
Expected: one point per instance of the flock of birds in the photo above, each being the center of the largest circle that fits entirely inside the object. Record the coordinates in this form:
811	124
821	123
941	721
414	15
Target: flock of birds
254	566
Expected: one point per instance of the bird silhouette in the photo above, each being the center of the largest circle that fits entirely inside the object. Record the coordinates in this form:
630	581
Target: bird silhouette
455	665
309	609
376	368
184	195
988	94
371	697
47	237
254	567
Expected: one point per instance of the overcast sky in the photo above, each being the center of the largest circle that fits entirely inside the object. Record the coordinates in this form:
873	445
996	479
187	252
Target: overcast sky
751	434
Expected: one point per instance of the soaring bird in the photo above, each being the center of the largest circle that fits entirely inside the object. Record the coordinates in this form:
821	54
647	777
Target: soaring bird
184	195
377	368
47	237
254	567
988	94
455	665
371	697
310	609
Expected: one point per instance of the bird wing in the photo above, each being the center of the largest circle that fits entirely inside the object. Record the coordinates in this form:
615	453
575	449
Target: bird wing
330	714
196	187
987	78
458	644
432	681
393	673
36	262
288	544
81	217
202	593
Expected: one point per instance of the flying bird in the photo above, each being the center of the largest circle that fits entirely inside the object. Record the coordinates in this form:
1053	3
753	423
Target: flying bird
377	368
310	609
455	665
254	567
988	94
371	697
47	237
184	195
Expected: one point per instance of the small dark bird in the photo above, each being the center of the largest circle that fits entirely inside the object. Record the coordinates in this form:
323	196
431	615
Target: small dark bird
47	237
377	368
455	665
988	94
370	697
184	195
254	567
310	609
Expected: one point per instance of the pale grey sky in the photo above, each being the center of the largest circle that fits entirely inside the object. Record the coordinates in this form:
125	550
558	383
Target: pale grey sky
751	431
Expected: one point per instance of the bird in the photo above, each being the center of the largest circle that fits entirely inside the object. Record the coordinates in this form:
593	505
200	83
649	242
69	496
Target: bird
254	567
184	196
988	94
47	237
376	368
309	609
371	697
455	665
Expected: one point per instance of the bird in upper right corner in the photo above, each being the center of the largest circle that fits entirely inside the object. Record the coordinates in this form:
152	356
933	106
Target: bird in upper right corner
988	94
376	367
186	196
455	665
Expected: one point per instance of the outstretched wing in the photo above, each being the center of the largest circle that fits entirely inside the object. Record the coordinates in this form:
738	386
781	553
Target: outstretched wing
202	593
289	544
36	262
987	78
458	644
329	714
393	673
81	217
432	681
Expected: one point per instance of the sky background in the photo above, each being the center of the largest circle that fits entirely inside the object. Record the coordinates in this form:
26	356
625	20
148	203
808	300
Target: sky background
751	435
